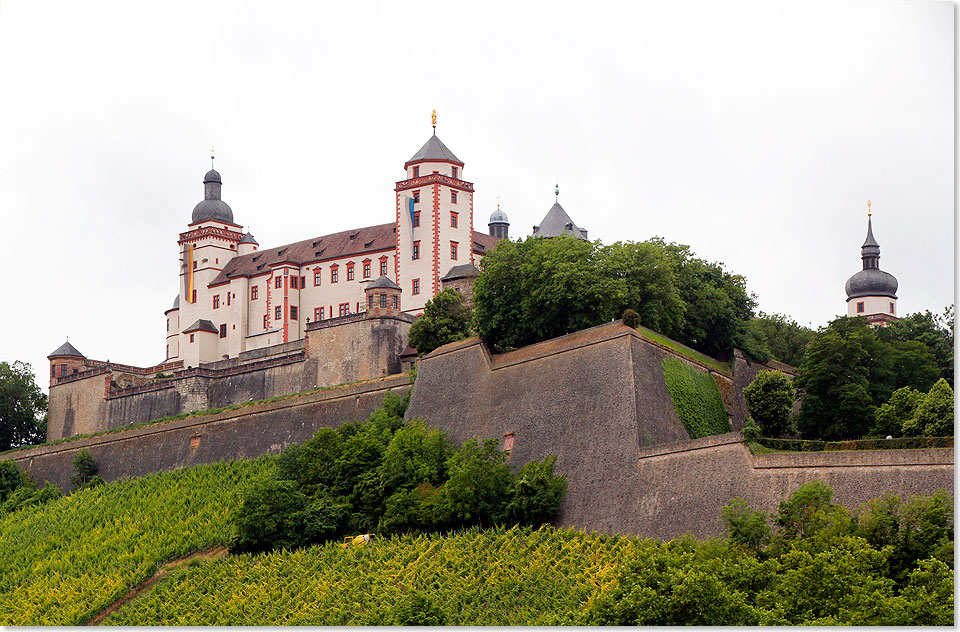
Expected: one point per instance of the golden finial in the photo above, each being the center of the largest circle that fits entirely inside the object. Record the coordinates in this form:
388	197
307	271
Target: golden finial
498	201
868	209
433	119
211	156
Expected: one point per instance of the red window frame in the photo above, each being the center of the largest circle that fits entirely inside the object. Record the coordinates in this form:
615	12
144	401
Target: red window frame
294	283
416	286
349	272
266	320
453	197
223	330
254	292
366	269
860	307
278	283
216	301
228	297
453	249
193	296
334	274
344	309
278	312
416	197
416	250
416	219
317	313
383	267
891	308
191	337
456	172
416	172
294	313
454	219
316	277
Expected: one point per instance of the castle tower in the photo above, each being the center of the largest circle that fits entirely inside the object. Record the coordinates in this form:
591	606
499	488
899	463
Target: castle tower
383	298
434	221
556	222
499	224
212	240
871	292
248	244
65	361
173	330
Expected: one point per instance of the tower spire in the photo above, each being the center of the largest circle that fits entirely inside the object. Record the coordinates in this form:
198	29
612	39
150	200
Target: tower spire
556	192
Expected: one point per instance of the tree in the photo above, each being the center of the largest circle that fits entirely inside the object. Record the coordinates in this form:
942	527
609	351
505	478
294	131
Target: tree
11	479
933	416
934	331
476	489
745	526
22	407
848	371
770	399
535	494
445	319
785	339
85	471
891	416
270	516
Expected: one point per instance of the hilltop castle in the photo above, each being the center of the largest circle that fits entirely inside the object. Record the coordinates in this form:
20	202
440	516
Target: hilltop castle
871	292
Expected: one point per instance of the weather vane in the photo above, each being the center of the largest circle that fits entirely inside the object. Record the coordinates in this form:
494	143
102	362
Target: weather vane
211	156
868	209
498	201
433	119
556	191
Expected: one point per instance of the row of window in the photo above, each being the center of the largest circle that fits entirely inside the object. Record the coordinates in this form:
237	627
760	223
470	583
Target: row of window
383	301
454	216
453	249
300	282
860	307
454	171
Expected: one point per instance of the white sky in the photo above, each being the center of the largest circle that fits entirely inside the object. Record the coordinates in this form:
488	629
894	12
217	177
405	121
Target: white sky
754	131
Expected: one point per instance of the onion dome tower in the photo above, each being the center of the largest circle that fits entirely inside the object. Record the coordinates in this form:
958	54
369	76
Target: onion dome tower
871	292
212	207
499	224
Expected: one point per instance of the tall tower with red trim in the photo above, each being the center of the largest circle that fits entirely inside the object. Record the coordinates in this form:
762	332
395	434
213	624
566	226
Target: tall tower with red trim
212	240
434	221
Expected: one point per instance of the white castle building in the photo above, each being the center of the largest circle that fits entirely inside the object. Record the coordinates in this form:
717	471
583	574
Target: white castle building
235	297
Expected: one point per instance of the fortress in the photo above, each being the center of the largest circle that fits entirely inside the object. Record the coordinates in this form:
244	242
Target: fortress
324	322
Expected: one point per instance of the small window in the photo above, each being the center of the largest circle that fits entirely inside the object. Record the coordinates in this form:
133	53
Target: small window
278	312
266	321
453	197
168	324
293	312
344	309
455	172
416	250
316	277
193	296
416	219
416	197
278	283
294	283
453	250
316	313
383	268
216	301
191	337
223	330
53	367
303	282
253	293
333	275
228	297
453	219
416	172
194	265
891	308
369	301
383	300
860	307
366	271
416	286
396	302
350	273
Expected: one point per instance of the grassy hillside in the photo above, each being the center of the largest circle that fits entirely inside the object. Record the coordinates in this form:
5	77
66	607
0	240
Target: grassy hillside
64	562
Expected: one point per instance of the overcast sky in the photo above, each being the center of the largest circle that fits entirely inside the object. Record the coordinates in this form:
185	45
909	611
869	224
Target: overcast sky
754	131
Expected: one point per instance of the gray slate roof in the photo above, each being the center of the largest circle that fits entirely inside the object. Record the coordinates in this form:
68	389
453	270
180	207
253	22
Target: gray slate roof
212	207
498	217
176	303
383	282
249	239
870	246
555	224
202	325
463	271
433	149
66	349
871	282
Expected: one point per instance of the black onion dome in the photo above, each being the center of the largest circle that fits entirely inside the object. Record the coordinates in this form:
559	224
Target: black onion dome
871	282
212	207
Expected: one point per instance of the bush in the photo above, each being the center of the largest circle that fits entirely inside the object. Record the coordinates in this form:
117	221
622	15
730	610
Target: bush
476	490
631	318
770	400
271	515
751	431
28	496
85	468
417	608
11	479
891	416
535	494
445	319
745	526
696	399
934	413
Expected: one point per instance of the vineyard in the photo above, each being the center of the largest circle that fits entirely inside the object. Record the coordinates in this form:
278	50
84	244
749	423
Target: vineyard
63	562
515	576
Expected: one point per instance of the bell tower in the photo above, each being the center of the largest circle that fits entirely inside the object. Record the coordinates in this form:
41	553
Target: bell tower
434	221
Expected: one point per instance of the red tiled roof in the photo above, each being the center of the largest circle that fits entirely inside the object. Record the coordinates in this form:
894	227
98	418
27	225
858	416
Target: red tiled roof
348	243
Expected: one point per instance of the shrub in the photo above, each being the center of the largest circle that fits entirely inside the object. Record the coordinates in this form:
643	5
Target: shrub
476	490
751	431
770	400
85	467
745	526
417	608
270	516
445	319
891	416
696	399
934	413
535	494
11	479
631	318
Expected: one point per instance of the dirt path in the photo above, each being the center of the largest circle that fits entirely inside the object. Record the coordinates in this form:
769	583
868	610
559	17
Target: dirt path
165	570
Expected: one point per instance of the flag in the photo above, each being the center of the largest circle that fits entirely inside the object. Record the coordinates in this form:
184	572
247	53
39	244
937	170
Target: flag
188	278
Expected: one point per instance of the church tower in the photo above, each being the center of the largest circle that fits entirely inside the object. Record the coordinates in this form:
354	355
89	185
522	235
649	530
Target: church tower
212	240
434	221
871	292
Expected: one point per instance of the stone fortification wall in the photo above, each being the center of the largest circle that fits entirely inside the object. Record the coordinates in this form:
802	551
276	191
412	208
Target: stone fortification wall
357	347
597	399
682	487
242	433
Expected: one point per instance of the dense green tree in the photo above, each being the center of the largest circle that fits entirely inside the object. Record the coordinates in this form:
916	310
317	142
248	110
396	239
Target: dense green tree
445	319
534	496
933	416
934	331
745	526
848	371
770	400
270	516
22	407
785	339
478	483
11	479
415	455
85	469
890	417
